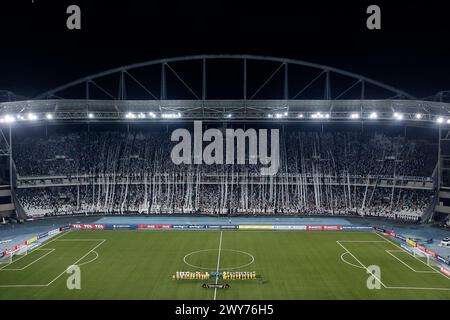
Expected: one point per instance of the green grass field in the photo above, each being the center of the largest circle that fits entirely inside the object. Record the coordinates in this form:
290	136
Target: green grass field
294	265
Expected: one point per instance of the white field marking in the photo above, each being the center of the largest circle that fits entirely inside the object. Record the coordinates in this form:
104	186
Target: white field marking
218	264
338	242
354	265
387	287
420	288
361	241
252	259
394	244
390	252
79	239
39	248
33	262
57	277
75	263
96	257
10	263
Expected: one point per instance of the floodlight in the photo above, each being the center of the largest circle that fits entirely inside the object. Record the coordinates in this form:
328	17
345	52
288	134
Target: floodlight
373	115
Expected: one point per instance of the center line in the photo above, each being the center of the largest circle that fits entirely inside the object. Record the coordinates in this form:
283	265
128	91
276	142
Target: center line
218	264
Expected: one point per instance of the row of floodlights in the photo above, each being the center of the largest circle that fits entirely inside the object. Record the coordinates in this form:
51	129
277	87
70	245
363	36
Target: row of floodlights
33	117
151	115
29	116
373	116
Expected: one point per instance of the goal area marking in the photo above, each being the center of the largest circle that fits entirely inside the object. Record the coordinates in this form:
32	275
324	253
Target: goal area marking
5	268
407	265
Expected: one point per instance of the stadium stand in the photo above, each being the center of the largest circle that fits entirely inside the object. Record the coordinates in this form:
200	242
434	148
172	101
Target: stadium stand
336	172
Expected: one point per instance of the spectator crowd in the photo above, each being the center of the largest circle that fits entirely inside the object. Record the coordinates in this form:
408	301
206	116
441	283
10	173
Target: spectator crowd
150	183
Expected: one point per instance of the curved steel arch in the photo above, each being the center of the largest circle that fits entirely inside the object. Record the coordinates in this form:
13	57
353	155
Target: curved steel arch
325	68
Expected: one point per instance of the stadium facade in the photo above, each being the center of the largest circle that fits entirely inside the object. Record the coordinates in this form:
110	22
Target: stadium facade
333	116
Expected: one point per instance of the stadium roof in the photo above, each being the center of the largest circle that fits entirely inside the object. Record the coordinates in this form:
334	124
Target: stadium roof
268	89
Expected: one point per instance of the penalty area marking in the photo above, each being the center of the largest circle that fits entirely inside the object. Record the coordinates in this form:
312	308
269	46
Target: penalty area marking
347	262
41	248
62	273
379	280
402	249
84	263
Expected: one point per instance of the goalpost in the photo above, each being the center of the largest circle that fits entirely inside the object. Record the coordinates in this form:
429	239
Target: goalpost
14	255
425	257
421	255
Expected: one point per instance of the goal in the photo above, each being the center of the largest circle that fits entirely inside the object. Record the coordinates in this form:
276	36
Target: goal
424	257
14	255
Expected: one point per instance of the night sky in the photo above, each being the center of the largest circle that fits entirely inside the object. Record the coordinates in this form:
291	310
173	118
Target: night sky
38	52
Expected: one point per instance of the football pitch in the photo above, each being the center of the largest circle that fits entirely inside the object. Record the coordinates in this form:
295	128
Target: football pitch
292	265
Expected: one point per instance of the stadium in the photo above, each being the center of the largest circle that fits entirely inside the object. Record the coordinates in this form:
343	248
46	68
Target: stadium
357	207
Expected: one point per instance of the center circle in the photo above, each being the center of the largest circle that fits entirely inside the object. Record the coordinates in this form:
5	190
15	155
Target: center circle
207	259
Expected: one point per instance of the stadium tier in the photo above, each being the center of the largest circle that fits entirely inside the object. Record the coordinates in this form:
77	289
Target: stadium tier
371	172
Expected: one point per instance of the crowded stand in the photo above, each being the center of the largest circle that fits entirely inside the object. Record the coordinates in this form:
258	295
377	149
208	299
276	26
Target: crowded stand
209	199
139	152
132	172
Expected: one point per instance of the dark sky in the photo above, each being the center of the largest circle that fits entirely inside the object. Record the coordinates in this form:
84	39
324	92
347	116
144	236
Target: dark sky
38	52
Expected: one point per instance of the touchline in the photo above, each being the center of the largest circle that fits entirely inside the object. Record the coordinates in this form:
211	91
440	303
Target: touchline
213	153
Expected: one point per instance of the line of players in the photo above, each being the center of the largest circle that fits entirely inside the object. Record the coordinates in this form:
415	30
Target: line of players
188	275
239	275
200	275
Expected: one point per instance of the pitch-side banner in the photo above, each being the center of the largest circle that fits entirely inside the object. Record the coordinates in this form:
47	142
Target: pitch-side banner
30	241
445	270
43	235
221	227
88	226
289	227
323	227
155	226
356	228
54	232
255	227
